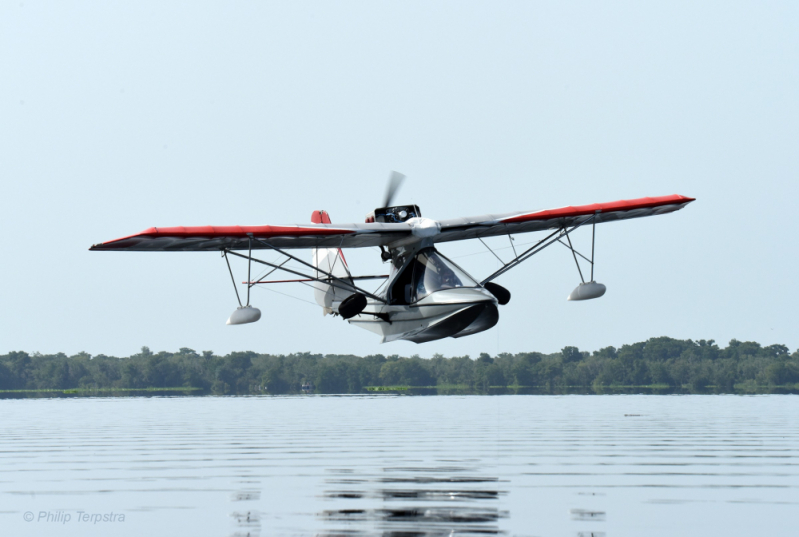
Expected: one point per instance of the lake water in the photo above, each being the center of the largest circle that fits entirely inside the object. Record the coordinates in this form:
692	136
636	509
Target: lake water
401	465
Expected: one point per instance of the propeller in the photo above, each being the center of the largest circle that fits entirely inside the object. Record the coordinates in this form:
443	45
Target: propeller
394	183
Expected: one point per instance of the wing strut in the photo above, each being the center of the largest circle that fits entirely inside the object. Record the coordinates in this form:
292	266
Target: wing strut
232	279
329	280
593	241
317	269
540	245
575	253
249	266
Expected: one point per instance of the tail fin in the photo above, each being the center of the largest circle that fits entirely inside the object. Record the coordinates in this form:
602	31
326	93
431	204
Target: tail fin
330	260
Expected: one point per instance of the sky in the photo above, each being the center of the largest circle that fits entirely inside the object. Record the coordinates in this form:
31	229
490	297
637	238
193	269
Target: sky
115	117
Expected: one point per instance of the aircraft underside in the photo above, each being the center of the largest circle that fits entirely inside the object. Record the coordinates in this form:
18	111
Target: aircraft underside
409	324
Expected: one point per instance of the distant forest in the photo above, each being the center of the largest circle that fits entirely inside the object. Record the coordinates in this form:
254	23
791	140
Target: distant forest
659	364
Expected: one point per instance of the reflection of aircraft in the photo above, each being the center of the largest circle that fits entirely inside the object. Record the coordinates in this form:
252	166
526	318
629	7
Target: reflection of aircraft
426	296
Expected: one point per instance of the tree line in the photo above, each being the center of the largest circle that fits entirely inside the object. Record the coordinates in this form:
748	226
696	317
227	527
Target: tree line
658	363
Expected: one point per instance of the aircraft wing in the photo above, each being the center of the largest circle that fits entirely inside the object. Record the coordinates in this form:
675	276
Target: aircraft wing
490	225
216	238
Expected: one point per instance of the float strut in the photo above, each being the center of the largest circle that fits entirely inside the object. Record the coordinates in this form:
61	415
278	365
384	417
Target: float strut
249	267
232	279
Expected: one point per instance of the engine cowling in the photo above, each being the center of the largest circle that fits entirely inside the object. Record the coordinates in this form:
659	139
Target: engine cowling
394	215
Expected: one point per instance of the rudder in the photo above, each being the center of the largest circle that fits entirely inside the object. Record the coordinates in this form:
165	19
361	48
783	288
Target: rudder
330	260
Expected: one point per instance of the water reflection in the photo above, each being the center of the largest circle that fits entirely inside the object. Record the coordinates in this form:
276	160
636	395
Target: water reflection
585	514
442	500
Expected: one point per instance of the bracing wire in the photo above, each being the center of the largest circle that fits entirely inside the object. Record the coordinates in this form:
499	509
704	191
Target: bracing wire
290	296
483	252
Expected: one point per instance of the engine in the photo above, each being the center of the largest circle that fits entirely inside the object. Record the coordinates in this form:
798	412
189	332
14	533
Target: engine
394	215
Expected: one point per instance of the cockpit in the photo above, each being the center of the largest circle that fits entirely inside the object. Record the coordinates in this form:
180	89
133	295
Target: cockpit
427	272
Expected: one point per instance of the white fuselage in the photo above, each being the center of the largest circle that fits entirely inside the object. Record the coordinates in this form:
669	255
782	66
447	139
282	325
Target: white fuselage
426	297
407	321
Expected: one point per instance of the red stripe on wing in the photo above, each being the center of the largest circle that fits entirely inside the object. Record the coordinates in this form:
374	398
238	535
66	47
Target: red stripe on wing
581	210
211	232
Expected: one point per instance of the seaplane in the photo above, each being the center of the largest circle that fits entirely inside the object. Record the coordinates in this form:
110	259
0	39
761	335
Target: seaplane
425	296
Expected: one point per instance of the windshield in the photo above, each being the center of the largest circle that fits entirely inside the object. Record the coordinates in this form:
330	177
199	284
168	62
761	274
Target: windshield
433	272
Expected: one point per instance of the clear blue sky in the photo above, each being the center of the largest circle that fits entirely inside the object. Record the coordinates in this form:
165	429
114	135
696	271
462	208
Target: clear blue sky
115	117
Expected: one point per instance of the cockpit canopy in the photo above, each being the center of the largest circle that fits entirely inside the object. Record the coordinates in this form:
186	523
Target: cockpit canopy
427	272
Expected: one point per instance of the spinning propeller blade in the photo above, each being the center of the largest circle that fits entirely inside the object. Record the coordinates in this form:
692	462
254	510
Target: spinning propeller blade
394	183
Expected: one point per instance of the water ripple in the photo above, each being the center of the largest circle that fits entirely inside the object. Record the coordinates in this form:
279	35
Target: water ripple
391	466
